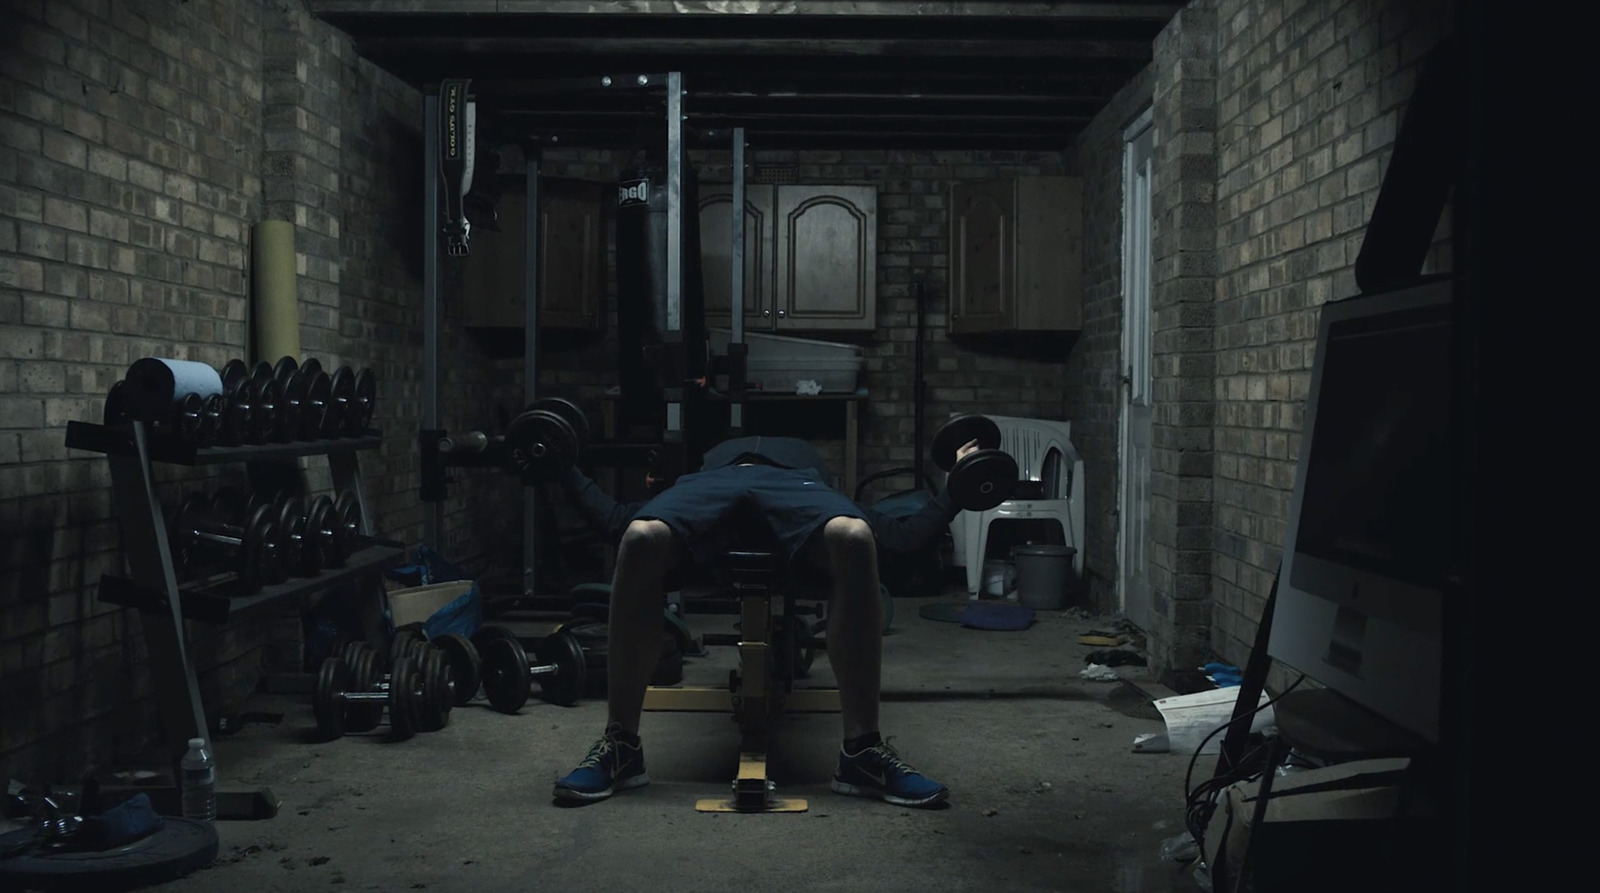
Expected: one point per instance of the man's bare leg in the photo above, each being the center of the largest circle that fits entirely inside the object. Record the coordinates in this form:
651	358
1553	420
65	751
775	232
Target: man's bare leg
855	623
648	551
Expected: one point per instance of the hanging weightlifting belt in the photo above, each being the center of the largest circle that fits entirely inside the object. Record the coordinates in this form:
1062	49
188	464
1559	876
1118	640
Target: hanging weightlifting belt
457	139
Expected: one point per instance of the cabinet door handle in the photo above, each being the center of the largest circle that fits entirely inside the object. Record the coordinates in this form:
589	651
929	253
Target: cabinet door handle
766	313
780	314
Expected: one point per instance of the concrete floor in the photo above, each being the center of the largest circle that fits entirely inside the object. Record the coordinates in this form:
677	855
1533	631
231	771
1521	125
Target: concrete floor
1045	791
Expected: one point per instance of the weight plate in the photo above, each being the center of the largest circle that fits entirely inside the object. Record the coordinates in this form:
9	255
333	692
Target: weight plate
348	512
957	432
285	368
261	372
234	374
181	539
315	408
236	420
314	546
567	410
402	699
351	655
506	680
400	645
311	367
459	652
116	411
260	418
366	400
489	632
294	400
435	704
261	545
324	529
291	521
188	417
277	422
982	480
343	392
542	444
418	650
364	716
565	686
328	701
213	415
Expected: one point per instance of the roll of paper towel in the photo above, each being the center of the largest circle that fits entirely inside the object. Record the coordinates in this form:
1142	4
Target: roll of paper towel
154	383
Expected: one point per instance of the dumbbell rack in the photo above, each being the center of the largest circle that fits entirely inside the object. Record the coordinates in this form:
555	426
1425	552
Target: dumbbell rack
152	586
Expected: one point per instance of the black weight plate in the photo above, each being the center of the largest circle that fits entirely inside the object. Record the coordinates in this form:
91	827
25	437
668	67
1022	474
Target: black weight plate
418	650
366	400
277	411
213	415
315	544
343	391
234	374
179	848
294	403
982	480
401	644
188	417
187	551
488	633
542	444
311	367
327	703
506	681
261	372
261	545
435	704
260	420
459	652
116	411
565	686
236	420
402	699
348	512
323	527
284	369
315	407
364	716
957	432
291	521
569	411
351	655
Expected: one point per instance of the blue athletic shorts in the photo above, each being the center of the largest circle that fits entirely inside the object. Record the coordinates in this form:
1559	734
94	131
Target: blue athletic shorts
712	512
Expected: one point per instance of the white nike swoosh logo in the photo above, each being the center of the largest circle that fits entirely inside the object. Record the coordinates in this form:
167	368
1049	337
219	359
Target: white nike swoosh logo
877	778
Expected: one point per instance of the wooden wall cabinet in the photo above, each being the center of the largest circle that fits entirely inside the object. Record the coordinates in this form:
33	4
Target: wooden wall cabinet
572	262
1016	255
811	257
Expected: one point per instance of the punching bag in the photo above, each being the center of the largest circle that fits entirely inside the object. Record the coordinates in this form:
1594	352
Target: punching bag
642	278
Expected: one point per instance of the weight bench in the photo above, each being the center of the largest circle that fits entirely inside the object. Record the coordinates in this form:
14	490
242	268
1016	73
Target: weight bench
762	688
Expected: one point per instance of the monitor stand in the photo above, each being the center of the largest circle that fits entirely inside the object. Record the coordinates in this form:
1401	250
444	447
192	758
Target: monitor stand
1330	728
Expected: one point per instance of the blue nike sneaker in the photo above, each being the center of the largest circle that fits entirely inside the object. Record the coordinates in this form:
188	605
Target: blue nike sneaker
877	771
613	764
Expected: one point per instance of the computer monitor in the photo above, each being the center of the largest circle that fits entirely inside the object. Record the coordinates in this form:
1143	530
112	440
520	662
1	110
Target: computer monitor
1369	540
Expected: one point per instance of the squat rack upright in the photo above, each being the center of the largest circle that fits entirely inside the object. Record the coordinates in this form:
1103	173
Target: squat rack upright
449	120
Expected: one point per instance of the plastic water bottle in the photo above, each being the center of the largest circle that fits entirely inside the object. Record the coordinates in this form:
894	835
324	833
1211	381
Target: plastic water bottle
199	774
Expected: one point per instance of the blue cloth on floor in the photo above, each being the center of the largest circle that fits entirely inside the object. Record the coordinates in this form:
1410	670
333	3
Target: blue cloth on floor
982	615
130	820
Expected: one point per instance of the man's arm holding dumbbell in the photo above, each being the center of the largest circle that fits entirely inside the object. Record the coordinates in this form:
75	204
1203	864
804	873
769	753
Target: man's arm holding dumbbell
914	532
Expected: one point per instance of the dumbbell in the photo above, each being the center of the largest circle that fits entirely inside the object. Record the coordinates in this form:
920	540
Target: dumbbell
187	420
507	675
353	394
545	439
250	550
983	479
251	415
446	694
347	701
327	529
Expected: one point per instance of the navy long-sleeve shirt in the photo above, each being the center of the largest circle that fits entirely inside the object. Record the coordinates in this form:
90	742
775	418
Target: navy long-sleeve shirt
893	534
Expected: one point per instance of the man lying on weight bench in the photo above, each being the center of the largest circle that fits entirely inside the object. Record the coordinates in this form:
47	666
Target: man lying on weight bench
779	481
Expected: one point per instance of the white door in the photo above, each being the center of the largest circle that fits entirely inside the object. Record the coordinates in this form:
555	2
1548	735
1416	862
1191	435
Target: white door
1135	431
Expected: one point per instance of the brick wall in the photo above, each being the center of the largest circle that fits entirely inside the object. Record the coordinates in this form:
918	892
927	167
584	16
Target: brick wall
1094	395
130	150
1309	96
1182	364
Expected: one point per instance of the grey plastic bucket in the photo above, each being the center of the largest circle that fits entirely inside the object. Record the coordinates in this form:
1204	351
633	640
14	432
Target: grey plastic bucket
1044	575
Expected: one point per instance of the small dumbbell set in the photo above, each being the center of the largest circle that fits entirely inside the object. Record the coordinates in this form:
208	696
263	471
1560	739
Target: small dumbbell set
268	403
262	540
428	678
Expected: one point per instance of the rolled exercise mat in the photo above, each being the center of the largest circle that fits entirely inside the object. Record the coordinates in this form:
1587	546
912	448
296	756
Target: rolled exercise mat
277	315
154	384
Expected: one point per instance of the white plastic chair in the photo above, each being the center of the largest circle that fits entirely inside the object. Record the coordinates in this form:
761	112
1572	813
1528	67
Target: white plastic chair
1047	464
